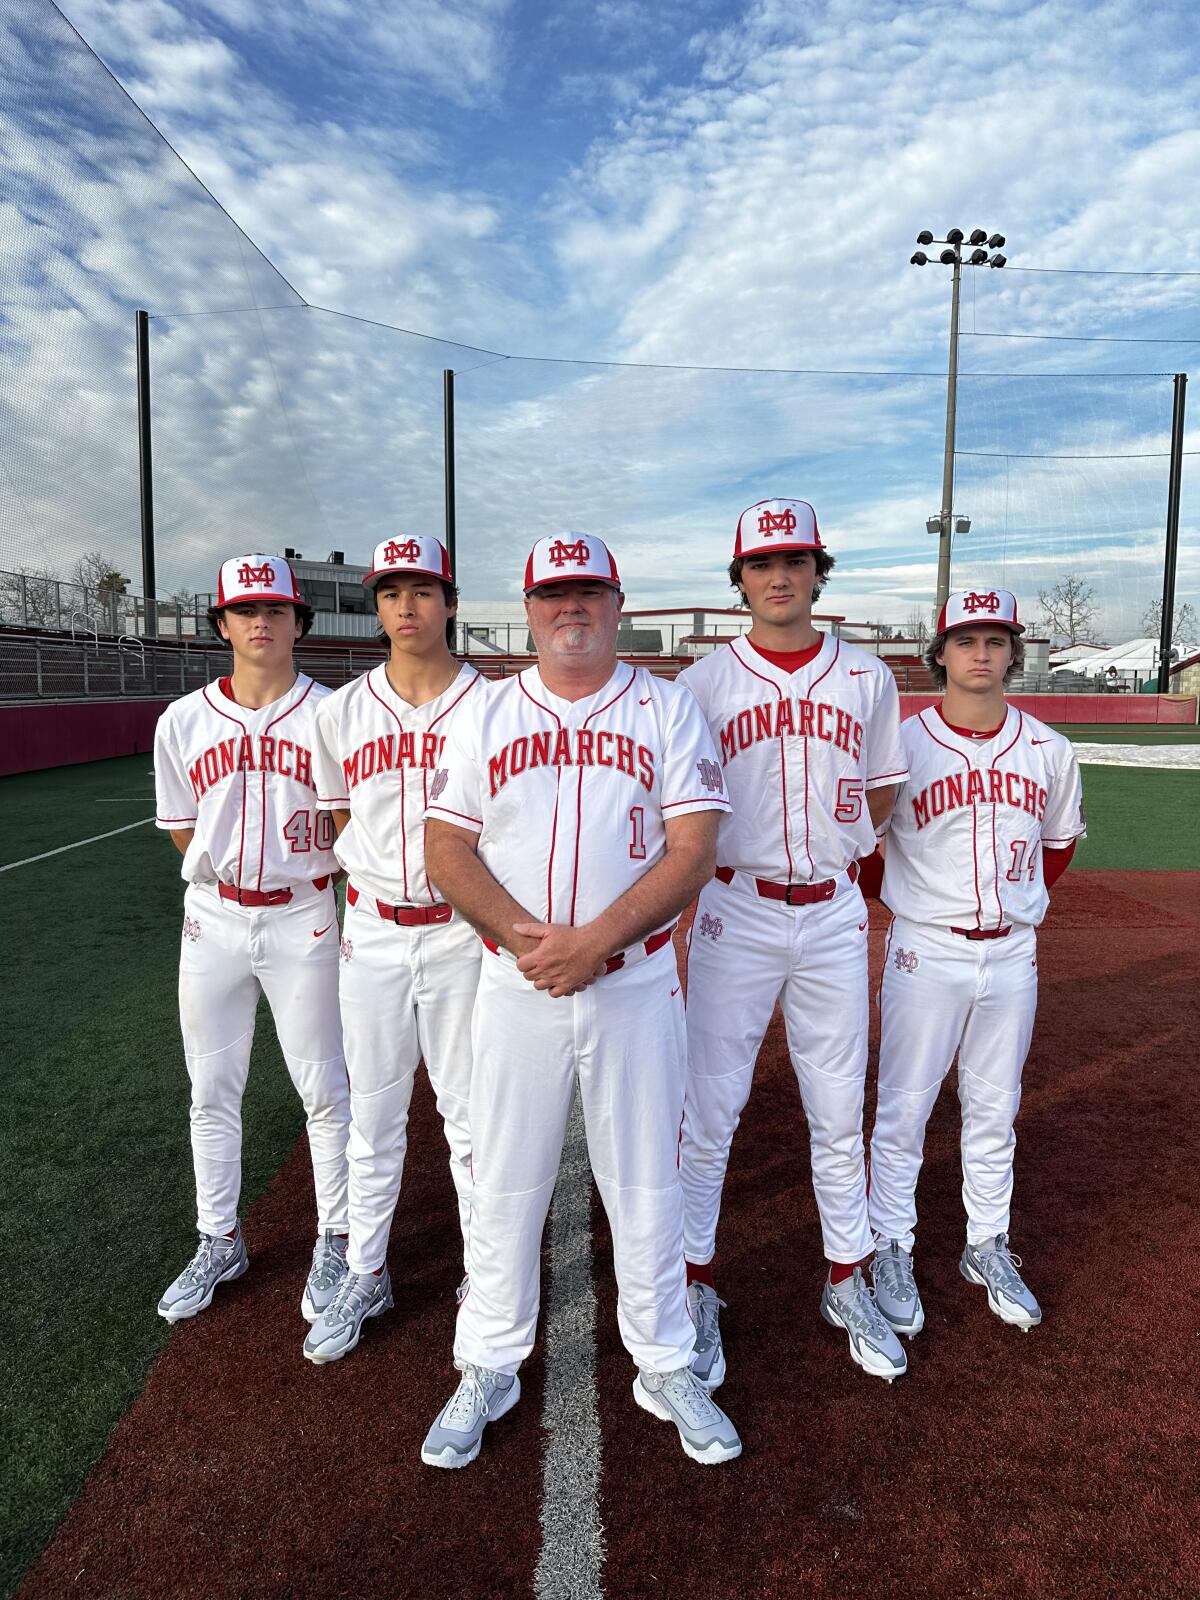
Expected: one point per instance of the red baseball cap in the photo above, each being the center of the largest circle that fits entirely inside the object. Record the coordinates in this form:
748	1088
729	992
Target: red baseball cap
570	557
409	554
973	607
256	577
776	525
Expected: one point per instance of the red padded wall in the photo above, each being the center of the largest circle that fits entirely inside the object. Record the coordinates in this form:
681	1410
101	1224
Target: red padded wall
59	734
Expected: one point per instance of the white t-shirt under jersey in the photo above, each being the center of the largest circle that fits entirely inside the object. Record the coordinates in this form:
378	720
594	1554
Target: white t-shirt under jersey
799	750
570	798
375	757
964	843
244	781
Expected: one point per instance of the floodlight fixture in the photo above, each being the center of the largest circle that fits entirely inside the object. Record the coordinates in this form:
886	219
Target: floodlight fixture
962	524
933	524
954	236
948	258
978	257
925	237
998	260
978	236
995	242
918	259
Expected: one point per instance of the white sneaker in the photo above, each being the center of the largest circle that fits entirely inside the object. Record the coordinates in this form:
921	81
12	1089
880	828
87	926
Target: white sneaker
995	1266
851	1307
706	1433
482	1396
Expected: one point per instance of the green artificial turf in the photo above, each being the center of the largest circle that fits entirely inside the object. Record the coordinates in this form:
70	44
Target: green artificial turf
1129	733
1140	819
97	1212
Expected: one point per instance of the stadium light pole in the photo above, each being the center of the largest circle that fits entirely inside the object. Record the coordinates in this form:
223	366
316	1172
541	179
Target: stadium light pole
945	524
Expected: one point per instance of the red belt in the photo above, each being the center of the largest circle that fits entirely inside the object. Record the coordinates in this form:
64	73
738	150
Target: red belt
983	933
406	916
263	897
794	894
615	963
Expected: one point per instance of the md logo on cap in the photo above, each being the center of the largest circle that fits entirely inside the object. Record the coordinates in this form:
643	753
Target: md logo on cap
409	551
977	606
982	602
777	521
247	575
560	553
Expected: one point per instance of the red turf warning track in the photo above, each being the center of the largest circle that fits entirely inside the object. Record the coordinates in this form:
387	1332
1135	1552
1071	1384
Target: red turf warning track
1056	1463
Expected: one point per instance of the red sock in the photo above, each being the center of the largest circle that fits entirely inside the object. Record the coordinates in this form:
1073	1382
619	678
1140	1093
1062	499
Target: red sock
839	1271
378	1273
701	1274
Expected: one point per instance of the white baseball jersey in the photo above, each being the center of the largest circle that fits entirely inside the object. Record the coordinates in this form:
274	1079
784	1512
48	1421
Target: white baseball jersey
244	781
964	843
375	756
799	750
570	798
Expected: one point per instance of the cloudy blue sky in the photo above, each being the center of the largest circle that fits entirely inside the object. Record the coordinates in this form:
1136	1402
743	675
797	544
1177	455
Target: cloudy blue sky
709	184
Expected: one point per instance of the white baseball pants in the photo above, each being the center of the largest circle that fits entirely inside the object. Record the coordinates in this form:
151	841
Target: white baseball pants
622	1039
744	953
941	994
229	955
406	994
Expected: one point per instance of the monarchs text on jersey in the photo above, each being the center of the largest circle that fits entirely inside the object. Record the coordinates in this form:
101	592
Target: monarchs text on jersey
376	757
799	752
244	781
964	843
571	798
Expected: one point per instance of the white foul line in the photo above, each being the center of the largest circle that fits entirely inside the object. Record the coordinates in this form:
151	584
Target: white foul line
572	1554
63	848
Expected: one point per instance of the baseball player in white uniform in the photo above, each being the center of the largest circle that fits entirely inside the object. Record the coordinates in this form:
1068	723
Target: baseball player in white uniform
233	768
987	820
410	966
573	818
808	730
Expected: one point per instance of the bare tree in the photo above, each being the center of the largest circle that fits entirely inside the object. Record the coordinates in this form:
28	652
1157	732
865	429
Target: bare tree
29	598
1183	621
1069	608
103	586
916	625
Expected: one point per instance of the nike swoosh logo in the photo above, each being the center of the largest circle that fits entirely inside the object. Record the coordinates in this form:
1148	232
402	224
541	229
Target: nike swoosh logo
861	926
674	991
646	701
317	932
1039	741
859	672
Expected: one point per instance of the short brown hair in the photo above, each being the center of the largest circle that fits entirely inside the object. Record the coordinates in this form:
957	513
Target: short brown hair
449	591
938	643
823	560
304	615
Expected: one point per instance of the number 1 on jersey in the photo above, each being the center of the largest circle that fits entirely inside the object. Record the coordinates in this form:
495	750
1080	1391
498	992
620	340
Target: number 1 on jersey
637	828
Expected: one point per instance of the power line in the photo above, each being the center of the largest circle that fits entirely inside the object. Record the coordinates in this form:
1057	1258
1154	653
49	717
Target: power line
1079	338
1019	455
1102	272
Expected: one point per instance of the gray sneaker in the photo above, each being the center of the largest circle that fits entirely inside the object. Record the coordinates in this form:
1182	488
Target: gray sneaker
872	1343
336	1331
324	1276
995	1266
218	1260
896	1290
706	1433
708	1359
482	1396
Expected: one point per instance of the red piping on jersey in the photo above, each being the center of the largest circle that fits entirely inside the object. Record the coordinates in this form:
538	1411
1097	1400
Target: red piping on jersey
995	855
557	796
425	774
478	821
391	711
782	767
245	735
974	815
807	835
262	838
579	790
697	800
